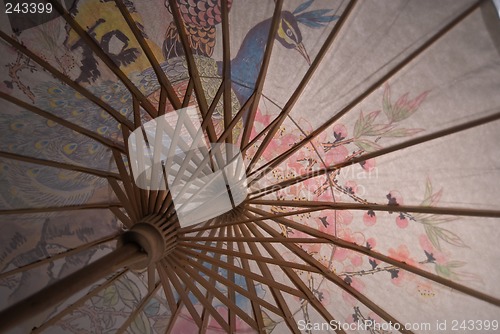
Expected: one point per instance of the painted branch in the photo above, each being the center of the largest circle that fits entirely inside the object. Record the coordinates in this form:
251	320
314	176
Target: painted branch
58	292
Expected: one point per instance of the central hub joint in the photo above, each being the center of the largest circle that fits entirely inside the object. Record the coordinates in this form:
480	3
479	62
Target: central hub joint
155	235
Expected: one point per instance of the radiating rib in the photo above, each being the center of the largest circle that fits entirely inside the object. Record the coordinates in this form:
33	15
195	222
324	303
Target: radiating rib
259	84
266	280
182	293
92	44
277	295
292	275
253	257
254	298
61	208
192	68
219	295
124	200
72	126
169	294
230	290
138	309
139	36
258	240
55	257
217	277
128	183
381	207
402	265
57	74
190	229
209	296
386	150
226	73
70	308
453	23
274	126
170	298
180	272
336	280
56	164
126	221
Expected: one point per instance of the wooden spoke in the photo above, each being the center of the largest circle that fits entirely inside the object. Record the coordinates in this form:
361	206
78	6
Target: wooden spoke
244	221
427	44
60	208
209	296
97	137
335	279
226	72
124	200
162	78
379	256
167	290
252	257
192	68
131	190
321	205
180	271
96	48
219	295
229	283
57	164
277	294
181	291
126	221
253	297
70	308
230	291
383	151
297	281
55	257
57	74
138	309
259	84
302	85
255	239
267	280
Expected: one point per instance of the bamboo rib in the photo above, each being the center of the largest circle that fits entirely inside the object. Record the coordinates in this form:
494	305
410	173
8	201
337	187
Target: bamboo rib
321	205
383	151
58	75
337	280
103	140
209	296
254	299
55	257
277	294
162	78
67	310
92	44
292	275
364	250
259	84
56	164
274	126
263	170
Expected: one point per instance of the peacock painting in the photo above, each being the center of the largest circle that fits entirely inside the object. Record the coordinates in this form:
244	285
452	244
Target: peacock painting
34	136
